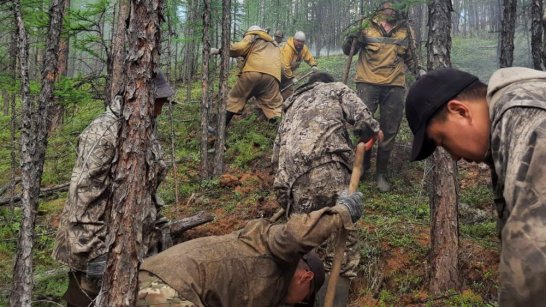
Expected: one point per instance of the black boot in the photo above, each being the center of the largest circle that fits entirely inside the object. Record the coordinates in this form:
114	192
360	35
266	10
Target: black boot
381	171
342	292
229	116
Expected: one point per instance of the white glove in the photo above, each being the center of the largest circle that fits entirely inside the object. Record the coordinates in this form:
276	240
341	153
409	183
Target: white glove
295	80
214	51
421	73
314	68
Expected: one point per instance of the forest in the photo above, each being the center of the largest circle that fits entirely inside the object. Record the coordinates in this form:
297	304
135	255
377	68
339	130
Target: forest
431	240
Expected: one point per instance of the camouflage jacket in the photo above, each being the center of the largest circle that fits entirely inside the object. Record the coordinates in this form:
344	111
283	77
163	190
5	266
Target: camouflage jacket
250	267
314	131
83	228
517	108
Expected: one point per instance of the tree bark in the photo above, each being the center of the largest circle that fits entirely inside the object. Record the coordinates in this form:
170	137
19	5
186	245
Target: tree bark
205	91
444	262
33	145
508	28
223	92
115	78
536	34
133	183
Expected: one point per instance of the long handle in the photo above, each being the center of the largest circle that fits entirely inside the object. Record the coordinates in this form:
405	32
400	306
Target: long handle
361	148
299	78
349	61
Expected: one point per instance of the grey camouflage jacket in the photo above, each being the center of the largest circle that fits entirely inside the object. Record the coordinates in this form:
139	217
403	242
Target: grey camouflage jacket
83	228
517	108
314	131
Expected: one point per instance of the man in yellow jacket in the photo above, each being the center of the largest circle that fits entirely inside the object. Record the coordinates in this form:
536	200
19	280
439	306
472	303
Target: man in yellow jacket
293	52
386	52
260	74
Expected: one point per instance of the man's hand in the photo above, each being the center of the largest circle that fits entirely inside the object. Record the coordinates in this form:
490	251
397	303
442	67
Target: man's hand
314	68
295	80
421	73
214	51
353	203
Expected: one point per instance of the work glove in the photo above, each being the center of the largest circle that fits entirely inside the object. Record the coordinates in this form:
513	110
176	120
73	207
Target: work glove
421	73
95	267
295	80
314	68
214	51
353	203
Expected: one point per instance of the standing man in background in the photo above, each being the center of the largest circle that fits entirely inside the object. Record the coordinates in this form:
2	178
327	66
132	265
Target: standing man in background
293	52
385	45
279	36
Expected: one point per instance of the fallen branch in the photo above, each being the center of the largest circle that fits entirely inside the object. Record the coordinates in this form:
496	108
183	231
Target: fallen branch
43	193
8	185
177	227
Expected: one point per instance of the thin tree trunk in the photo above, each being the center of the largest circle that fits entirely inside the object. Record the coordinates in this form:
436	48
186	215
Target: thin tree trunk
133	185
205	91
508	28
444	235
115	78
171	120
536	34
56	109
33	146
223	93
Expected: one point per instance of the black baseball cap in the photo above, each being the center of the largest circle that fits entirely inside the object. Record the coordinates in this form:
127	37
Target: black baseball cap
316	266
426	96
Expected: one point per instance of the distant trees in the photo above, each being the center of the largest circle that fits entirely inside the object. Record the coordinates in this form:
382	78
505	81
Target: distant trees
508	28
537	27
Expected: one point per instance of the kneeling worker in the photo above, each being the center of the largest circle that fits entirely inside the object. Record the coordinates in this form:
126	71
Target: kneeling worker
260	265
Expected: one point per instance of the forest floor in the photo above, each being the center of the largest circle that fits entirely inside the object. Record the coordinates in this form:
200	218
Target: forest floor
394	232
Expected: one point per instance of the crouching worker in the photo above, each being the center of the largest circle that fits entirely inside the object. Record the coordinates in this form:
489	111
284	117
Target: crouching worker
260	265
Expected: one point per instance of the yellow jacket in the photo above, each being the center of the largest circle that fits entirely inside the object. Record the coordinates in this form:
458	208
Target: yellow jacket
291	58
383	56
261	53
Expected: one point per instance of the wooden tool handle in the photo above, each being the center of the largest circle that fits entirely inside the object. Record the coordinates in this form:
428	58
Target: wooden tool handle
361	148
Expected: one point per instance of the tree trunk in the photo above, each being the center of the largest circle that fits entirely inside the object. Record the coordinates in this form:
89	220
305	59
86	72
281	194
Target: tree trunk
56	109
33	145
444	235
115	78
133	183
508	27
223	93
536	34
205	91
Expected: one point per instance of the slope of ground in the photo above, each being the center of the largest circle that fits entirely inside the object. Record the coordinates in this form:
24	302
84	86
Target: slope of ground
394	231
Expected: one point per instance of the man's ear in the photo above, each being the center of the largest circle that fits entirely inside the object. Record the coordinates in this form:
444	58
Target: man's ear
458	108
307	276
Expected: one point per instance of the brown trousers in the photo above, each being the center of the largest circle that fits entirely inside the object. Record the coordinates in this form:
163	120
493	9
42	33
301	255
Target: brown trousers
256	84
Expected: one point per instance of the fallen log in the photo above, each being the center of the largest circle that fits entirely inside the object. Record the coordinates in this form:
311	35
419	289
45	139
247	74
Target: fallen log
43	193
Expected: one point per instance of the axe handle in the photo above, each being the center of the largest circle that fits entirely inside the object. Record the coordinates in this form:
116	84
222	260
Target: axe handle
361	148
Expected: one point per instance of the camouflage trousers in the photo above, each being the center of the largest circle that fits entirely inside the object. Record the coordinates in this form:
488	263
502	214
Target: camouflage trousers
320	188
152	291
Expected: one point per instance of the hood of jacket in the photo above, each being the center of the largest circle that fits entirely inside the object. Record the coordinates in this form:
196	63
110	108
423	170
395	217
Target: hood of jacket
262	34
506	76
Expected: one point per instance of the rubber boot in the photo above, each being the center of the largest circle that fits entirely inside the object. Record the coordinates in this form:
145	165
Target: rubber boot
342	292
381	171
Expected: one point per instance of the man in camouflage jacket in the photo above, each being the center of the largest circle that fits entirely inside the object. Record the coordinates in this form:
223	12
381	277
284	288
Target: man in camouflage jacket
81	237
504	125
313	152
385	51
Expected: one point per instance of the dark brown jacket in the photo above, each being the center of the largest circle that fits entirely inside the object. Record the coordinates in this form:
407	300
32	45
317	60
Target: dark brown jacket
250	267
